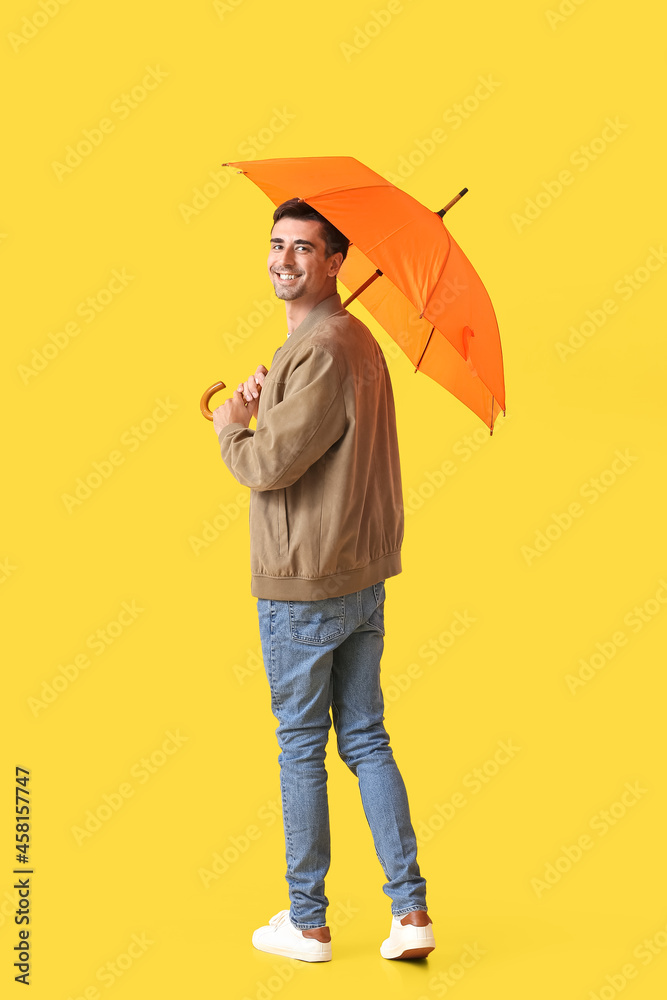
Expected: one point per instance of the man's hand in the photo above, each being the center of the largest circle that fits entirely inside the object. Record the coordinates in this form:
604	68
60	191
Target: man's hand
232	411
252	388
243	405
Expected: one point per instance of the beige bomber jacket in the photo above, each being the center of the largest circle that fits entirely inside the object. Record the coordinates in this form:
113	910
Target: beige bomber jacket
322	464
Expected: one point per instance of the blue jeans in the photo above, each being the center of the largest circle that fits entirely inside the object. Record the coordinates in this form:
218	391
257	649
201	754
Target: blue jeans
323	656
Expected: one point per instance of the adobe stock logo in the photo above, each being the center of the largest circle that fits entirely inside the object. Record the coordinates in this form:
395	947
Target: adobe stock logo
103	469
32	25
645	952
605	650
221	7
112	970
601	823
111	802
219	180
7	569
88	309
566	8
364	34
246	325
592	491
453	117
122	106
581	158
239	844
474	781
212	529
625	288
99	642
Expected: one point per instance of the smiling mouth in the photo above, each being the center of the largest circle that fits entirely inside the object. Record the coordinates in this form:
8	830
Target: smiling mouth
286	275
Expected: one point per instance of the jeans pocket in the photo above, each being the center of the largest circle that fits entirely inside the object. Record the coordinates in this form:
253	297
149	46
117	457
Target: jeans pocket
317	622
376	618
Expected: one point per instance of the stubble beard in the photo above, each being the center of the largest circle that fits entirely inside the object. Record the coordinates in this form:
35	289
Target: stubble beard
283	289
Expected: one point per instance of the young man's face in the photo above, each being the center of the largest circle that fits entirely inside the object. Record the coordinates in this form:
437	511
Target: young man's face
298	264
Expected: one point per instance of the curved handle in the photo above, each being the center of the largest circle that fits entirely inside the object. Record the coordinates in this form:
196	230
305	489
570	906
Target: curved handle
211	391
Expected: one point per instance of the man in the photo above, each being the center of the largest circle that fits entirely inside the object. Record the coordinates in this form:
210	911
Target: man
326	527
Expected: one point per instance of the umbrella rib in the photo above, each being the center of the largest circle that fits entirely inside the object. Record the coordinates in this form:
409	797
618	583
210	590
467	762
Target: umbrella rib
387	184
404	225
389	236
424	351
444	263
353	187
384	239
442	270
415	266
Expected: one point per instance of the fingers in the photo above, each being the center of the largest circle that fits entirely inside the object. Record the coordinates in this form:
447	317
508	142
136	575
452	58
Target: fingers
250	390
252	387
256	381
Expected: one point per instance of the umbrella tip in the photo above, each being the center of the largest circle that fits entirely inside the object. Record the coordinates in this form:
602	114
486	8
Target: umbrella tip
450	204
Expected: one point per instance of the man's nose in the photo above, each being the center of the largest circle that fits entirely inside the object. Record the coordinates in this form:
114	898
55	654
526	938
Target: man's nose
287	256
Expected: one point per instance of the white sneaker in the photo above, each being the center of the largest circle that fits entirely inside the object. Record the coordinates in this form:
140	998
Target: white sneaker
411	936
281	937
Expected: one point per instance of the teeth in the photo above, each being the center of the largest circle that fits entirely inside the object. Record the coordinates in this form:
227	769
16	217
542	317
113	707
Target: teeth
288	277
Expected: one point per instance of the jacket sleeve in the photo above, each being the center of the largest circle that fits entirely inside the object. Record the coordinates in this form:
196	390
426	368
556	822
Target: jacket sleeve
292	435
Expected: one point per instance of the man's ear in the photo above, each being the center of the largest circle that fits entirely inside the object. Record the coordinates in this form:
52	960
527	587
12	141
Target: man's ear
335	264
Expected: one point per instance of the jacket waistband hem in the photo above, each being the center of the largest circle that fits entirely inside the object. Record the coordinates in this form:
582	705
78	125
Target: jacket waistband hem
291	588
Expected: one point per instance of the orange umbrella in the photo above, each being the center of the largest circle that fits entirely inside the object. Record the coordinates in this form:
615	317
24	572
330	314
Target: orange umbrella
427	295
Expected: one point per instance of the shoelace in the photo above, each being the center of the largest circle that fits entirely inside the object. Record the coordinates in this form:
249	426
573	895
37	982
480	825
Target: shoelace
279	918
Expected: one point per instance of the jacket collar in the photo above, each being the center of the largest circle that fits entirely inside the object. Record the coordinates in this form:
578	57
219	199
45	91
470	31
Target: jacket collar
327	307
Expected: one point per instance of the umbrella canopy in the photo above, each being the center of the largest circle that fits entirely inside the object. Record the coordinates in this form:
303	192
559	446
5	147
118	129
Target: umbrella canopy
429	298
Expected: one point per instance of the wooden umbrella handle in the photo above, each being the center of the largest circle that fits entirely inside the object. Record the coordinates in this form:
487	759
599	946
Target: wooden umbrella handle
211	391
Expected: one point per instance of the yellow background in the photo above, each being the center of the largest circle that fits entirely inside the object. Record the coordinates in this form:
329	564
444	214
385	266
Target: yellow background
188	663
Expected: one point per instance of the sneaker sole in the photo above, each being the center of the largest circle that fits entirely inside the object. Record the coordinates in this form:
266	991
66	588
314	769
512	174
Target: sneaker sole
413	953
289	953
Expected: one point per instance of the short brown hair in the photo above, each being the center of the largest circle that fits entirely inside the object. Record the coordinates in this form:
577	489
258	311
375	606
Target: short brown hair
296	208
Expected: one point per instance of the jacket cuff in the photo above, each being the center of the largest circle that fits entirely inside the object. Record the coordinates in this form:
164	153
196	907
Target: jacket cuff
231	427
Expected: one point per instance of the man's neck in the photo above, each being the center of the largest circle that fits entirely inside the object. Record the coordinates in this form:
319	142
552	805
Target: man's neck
297	310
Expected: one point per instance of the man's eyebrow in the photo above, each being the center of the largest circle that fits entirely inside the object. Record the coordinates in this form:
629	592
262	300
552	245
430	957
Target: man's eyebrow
281	239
